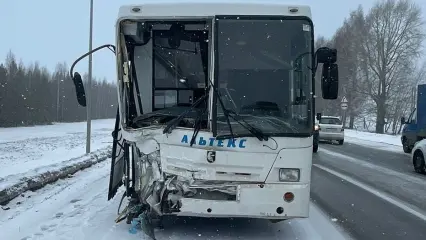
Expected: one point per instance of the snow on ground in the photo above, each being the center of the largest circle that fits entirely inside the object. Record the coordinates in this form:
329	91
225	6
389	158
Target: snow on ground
77	208
374	140
26	148
55	130
12	179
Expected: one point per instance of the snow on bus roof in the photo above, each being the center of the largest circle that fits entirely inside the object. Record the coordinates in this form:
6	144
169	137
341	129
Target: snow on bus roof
171	9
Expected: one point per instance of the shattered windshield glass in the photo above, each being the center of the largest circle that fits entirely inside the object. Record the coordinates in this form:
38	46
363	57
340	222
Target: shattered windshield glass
178	75
263	74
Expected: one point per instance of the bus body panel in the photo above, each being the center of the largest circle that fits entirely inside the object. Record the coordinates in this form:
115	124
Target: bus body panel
251	167
188	9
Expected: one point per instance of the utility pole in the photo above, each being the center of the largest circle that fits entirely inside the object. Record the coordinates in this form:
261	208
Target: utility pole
57	103
89	83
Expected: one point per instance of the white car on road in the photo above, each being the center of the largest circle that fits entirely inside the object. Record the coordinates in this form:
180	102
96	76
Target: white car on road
417	156
331	129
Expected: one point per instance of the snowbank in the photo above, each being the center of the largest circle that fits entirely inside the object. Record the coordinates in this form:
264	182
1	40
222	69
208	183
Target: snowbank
26	148
374	137
13	185
374	140
31	157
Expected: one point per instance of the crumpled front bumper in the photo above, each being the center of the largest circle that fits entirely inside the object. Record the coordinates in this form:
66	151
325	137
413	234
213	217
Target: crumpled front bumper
253	201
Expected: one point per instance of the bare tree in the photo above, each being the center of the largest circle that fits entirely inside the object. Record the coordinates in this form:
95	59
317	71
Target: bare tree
393	44
348	41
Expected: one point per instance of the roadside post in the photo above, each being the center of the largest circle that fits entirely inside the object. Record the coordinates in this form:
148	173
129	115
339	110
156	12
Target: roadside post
344	106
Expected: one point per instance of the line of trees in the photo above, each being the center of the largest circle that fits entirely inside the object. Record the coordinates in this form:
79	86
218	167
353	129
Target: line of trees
379	57
31	95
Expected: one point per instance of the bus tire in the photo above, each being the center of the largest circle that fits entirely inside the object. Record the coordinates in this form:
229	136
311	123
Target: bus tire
419	162
315	148
405	146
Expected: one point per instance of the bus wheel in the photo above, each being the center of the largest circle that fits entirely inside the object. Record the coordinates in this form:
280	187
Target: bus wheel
405	146
419	162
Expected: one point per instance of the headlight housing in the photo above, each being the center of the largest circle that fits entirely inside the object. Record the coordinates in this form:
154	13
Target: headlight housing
289	175
316	127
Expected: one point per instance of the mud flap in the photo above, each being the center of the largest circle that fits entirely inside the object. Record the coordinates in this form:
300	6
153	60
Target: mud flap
147	226
117	159
143	222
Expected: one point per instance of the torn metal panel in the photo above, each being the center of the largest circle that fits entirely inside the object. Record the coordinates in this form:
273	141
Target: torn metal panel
117	159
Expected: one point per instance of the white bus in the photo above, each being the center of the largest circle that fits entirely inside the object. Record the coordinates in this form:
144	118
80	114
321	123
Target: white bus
216	108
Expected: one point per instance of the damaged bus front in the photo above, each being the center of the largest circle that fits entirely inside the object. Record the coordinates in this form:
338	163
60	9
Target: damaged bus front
216	109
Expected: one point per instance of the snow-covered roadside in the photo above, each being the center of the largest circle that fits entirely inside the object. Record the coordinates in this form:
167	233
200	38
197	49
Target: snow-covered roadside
15	184
26	148
374	140
54	130
76	208
16	178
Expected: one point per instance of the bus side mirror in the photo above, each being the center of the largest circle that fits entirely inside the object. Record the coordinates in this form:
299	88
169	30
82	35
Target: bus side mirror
403	121
330	81
79	89
326	55
76	77
319	115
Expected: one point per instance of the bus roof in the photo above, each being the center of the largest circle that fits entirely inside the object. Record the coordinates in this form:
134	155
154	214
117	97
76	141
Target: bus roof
176	9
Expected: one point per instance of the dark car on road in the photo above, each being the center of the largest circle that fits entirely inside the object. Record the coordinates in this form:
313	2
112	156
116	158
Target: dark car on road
316	134
316	138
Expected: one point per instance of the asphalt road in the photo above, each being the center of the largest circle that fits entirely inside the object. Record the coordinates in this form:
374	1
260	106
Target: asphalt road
373	193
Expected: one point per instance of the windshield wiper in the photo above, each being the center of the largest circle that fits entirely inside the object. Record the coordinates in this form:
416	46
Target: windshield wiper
149	116
256	132
197	125
173	124
226	112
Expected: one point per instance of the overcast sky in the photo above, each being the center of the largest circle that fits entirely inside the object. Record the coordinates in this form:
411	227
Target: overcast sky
50	31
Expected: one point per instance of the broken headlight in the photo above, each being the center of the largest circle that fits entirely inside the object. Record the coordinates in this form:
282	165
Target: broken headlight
289	174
